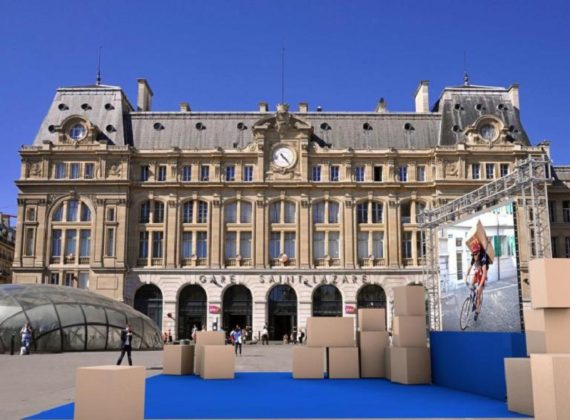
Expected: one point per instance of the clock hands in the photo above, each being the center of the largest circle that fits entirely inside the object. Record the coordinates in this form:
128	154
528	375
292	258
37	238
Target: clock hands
283	156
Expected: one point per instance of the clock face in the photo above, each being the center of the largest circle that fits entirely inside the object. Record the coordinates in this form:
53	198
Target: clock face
283	157
488	132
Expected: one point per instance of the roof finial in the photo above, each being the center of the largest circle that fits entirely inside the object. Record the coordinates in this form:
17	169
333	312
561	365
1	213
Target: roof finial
465	79
98	80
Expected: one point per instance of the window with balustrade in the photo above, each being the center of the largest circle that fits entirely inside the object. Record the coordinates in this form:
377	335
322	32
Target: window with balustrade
413	245
151	247
283	233
194	235
238	223
70	232
370	233
326	233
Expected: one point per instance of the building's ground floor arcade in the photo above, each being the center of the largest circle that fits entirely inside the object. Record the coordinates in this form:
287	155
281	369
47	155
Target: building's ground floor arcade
280	301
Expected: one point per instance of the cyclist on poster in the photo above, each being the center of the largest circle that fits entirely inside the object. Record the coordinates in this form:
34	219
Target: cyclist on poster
480	266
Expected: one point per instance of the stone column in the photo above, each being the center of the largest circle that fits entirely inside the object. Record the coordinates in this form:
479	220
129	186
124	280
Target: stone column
349	233
305	233
393	227
171	234
215	233
98	239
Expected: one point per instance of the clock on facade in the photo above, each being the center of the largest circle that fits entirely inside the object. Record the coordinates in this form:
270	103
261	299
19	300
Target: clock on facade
283	157
77	132
488	132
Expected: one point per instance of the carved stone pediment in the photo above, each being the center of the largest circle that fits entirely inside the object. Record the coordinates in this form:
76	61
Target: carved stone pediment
283	122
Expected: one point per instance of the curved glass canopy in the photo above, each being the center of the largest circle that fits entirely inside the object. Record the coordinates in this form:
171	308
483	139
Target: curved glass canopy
68	319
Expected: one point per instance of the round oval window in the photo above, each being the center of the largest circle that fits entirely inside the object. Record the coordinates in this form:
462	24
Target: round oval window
77	132
488	132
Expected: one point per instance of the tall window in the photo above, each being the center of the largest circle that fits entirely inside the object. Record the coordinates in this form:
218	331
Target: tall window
110	242
421	173
158	214
407	244
187	173
326	237
151	233
157	244
370	247
248	173
504	168
161	175
59	170
566	211
282	242
370	236
204	173
476	171
89	171
194	243
369	212
71	233
378	174
29	242
359	173
552	211
316	173
403	173
144	172
334	174
238	233
230	173
489	170
74	170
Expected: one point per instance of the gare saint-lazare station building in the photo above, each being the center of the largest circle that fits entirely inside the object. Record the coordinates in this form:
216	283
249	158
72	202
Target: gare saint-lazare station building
262	217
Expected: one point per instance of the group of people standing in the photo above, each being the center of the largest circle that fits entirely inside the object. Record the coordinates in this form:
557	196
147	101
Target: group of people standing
292	338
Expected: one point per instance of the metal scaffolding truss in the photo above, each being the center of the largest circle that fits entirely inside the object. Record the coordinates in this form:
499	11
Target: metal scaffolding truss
527	184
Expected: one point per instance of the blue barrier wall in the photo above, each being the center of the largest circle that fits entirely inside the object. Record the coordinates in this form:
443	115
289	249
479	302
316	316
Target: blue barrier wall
474	361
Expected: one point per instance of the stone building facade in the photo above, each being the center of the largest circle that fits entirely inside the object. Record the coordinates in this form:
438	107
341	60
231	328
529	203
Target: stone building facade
266	217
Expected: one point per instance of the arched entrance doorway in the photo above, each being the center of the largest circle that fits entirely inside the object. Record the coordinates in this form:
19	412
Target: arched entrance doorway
191	310
371	296
327	301
282	311
237	307
148	300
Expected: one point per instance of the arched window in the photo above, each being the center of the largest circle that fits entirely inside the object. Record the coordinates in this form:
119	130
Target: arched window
326	234
71	234
151	233
370	236
237	307
371	296
281	311
238	234
283	233
192	310
194	237
327	301
148	300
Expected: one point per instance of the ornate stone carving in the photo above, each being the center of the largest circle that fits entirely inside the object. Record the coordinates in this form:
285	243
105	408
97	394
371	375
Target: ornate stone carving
35	169
172	204
451	168
115	168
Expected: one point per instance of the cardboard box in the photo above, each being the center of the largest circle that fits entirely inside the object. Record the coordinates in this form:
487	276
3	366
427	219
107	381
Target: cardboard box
109	392
308	362
519	385
409	301
218	362
547	330
410	365
330	332
388	364
477	233
373	345
372	319
343	363
409	331
178	360
551	385
204	338
549	285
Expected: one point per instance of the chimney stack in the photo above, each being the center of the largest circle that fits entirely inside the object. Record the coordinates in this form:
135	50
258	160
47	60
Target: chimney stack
422	97
144	98
381	106
263	107
303	107
185	107
514	95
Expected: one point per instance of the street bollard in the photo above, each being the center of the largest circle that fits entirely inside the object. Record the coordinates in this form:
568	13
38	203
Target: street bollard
12	344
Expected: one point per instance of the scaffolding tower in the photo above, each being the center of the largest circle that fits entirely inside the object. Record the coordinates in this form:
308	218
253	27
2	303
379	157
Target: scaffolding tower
527	184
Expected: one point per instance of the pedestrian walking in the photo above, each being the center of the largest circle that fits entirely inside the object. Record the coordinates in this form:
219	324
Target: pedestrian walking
264	336
236	337
301	336
26	333
194	331
126	344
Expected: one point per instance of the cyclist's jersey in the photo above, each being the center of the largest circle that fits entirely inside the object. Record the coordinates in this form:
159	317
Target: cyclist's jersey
478	267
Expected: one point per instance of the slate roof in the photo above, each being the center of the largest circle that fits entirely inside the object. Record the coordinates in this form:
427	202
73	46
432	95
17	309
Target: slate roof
457	108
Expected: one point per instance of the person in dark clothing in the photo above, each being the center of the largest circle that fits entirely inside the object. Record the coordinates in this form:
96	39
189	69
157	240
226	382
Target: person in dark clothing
126	344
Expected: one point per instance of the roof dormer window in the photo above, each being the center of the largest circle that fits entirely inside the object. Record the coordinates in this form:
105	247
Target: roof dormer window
77	132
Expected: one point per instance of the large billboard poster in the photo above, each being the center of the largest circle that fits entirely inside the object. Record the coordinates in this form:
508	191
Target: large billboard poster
480	251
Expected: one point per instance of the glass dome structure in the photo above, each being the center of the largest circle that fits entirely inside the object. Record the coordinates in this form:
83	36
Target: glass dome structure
69	319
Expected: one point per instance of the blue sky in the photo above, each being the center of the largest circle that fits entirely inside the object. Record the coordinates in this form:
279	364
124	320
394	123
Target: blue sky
226	55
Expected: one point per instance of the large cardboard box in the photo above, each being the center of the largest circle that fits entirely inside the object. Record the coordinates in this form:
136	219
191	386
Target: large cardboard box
551	386
218	362
330	332
410	365
409	300
343	363
372	319
178	360
204	338
547	330
409	331
308	362
109	392
373	345
388	364
549	285
477	234
519	385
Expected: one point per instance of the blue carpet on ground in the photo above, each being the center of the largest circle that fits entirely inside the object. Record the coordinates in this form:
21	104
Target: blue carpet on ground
278	395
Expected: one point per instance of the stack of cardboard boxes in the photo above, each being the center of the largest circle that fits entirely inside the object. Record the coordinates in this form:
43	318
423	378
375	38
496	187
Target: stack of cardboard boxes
408	360
539	385
330	347
214	360
373	340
